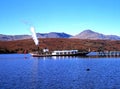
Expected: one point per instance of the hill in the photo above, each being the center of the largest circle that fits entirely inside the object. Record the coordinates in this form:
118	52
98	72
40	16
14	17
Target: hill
39	35
53	35
18	46
89	34
13	37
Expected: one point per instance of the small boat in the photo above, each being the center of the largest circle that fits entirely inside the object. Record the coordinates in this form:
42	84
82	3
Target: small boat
46	53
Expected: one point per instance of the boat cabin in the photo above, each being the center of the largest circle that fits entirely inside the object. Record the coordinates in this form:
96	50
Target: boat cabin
64	52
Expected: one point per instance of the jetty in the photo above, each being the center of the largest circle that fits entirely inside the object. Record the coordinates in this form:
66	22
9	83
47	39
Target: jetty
108	53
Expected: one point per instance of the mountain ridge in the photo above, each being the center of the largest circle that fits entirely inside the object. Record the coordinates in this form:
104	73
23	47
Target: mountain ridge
53	35
86	34
39	35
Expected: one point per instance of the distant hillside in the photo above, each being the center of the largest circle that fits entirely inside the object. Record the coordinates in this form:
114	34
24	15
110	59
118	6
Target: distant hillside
13	37
39	35
18	46
53	35
89	34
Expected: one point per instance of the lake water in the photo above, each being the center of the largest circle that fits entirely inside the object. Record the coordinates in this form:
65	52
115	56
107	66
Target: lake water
18	72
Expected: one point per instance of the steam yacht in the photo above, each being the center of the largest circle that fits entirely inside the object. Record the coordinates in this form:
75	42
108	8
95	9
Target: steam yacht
46	53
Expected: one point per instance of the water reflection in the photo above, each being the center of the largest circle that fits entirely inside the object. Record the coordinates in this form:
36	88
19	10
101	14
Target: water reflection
64	57
34	74
57	57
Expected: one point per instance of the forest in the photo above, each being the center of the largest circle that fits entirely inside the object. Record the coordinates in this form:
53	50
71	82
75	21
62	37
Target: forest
20	46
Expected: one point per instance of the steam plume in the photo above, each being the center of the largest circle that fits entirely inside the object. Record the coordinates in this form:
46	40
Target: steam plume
34	35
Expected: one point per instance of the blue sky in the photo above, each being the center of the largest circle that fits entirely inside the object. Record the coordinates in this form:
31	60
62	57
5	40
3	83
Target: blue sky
69	16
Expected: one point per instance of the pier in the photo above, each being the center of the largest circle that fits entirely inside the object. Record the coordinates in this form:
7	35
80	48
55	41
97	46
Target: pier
108	53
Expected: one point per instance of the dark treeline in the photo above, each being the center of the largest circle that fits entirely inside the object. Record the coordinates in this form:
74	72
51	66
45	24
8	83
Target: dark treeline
20	46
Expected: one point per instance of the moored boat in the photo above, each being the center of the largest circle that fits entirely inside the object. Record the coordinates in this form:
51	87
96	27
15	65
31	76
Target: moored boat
59	53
